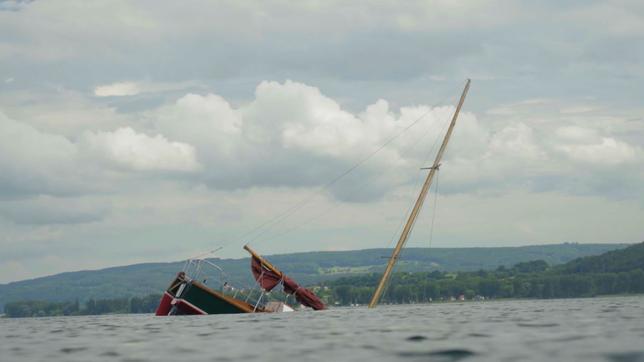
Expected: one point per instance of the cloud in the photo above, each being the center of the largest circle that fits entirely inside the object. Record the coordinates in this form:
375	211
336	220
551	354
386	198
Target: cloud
516	141
47	210
40	163
209	122
35	162
182	116
234	166
577	109
588	146
608	151
117	89
138	151
13	5
131	88
293	135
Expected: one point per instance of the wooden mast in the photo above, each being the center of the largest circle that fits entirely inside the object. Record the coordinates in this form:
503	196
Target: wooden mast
419	203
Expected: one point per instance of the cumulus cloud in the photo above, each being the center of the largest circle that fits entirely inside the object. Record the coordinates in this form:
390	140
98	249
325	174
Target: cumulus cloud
208	122
139	151
156	104
293	135
608	151
588	146
41	163
276	148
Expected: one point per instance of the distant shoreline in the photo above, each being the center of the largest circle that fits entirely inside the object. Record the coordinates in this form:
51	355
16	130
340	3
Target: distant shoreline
344	278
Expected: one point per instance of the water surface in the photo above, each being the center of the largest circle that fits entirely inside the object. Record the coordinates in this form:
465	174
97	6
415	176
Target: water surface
598	329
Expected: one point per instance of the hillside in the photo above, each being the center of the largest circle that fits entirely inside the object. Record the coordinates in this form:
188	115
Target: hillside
616	261
308	268
614	272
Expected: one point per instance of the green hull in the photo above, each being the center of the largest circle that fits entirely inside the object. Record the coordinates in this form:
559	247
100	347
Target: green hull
187	296
212	303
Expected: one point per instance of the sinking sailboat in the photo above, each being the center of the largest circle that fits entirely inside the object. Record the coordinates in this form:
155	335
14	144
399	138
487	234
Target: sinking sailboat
188	294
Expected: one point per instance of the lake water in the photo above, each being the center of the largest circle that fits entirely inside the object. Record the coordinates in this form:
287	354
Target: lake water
599	329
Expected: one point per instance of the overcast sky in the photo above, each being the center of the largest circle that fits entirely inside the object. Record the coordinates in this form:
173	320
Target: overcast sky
155	130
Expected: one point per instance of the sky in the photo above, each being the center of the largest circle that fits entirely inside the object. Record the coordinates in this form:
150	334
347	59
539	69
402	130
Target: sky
157	130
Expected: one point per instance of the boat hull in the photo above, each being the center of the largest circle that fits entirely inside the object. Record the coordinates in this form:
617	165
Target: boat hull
165	305
190	297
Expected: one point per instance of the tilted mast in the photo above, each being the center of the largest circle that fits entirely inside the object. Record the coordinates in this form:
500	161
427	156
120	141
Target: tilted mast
419	203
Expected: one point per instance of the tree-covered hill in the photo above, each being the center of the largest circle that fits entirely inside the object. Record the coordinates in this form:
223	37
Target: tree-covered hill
308	268
611	262
614	272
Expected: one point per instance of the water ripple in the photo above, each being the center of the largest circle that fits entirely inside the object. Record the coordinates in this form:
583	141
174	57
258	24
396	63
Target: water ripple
600	329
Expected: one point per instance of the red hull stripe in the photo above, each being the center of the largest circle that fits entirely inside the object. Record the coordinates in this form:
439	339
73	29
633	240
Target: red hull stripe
164	305
188	307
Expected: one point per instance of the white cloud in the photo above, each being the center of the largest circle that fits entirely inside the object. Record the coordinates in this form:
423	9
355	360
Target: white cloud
292	135
117	89
608	151
104	115
516	141
34	162
317	123
139	151
63	112
577	134
206	121
131	88
587	145
577	109
236	166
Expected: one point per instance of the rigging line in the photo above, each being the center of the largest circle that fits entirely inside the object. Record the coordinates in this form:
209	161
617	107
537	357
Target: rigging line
305	201
411	194
355	166
204	254
431	229
405	150
429	153
304	223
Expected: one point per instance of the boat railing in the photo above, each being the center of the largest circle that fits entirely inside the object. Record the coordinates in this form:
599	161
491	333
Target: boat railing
205	271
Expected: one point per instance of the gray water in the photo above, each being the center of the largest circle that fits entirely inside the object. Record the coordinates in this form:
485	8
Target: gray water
600	329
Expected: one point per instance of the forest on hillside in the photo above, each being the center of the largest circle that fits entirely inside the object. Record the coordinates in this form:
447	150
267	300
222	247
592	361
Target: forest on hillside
308	268
147	304
525	280
614	272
